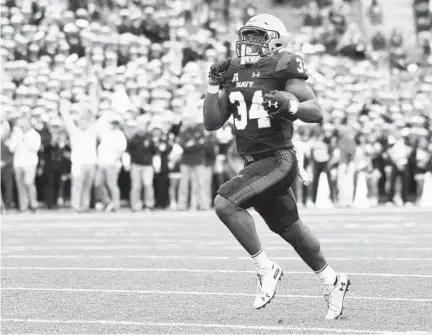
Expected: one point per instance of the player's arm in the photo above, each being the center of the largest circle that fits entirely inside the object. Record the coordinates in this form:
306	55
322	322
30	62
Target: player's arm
215	110
308	110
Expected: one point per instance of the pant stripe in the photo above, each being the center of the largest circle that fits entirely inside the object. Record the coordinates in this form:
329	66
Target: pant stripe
266	181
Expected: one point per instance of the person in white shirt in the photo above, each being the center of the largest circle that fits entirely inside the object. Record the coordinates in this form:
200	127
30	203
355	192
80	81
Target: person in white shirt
25	143
112	145
83	141
302	148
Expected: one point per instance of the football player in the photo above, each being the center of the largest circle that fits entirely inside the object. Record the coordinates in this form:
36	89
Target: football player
265	90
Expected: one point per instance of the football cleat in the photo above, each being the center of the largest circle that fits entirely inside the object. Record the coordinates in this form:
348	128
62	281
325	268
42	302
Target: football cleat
334	296
266	286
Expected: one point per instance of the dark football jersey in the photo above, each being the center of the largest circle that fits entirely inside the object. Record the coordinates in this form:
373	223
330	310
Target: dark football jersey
245	86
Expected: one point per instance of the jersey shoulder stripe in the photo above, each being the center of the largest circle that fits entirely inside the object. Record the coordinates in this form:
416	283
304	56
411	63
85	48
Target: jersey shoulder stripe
283	61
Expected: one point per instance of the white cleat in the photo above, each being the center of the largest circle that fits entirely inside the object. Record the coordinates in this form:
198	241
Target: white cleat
266	286
334	295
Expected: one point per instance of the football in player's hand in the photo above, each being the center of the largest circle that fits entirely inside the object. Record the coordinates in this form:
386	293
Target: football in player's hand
278	104
288	95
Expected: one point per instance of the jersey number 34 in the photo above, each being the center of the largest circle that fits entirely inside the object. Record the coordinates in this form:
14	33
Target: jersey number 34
256	111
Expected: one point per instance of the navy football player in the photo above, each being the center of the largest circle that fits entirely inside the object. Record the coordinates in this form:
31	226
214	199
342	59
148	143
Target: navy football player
265	90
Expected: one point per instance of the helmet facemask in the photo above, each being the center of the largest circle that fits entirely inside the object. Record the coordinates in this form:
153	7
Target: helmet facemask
254	42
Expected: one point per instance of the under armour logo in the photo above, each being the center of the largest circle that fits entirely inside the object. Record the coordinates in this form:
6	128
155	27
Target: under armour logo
273	104
342	287
255	74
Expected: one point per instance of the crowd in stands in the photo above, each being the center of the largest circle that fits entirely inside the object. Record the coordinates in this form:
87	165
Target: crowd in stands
101	104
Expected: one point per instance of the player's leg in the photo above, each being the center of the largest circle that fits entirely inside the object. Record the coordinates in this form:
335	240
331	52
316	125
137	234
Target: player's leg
239	222
239	193
259	178
282	217
242	226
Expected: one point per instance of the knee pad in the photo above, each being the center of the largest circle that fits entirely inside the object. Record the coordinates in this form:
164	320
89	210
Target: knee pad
300	236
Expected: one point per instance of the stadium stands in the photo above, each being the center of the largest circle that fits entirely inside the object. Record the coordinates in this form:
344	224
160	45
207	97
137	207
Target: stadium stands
141	67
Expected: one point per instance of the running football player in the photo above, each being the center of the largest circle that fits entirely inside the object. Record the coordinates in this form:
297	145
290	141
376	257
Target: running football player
265	90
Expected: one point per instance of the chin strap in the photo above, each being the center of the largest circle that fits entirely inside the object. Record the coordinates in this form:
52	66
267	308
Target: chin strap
249	59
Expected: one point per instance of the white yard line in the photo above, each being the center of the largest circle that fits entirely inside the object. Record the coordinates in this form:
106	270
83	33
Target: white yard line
167	234
194	246
195	325
102	269
193	258
194	293
213	242
390	215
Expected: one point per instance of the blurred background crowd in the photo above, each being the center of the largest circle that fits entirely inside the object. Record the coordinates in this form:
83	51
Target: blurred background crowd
101	102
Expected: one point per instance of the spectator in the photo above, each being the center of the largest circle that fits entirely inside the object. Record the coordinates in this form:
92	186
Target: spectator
192	168
208	171
313	17
379	41
75	5
423	160
56	164
174	158
396	39
321	154
7	175
303	151
249	10
399	152
224	138
49	52
83	153
375	13
337	17
345	150
372	153
112	145
141	149
350	43
163	146
25	143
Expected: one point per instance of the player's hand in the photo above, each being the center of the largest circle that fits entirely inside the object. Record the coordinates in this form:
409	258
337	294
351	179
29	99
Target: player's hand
278	106
218	71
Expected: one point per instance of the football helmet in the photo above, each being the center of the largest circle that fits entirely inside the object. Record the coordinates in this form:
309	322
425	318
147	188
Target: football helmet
262	35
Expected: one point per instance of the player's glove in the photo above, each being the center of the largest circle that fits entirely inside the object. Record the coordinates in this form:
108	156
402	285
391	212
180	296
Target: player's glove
218	71
279	106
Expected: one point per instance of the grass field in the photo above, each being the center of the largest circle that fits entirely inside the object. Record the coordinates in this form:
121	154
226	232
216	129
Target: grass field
172	273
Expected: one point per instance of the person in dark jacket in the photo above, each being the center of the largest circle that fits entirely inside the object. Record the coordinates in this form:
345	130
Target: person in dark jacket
54	156
141	150
163	145
7	173
313	17
194	143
